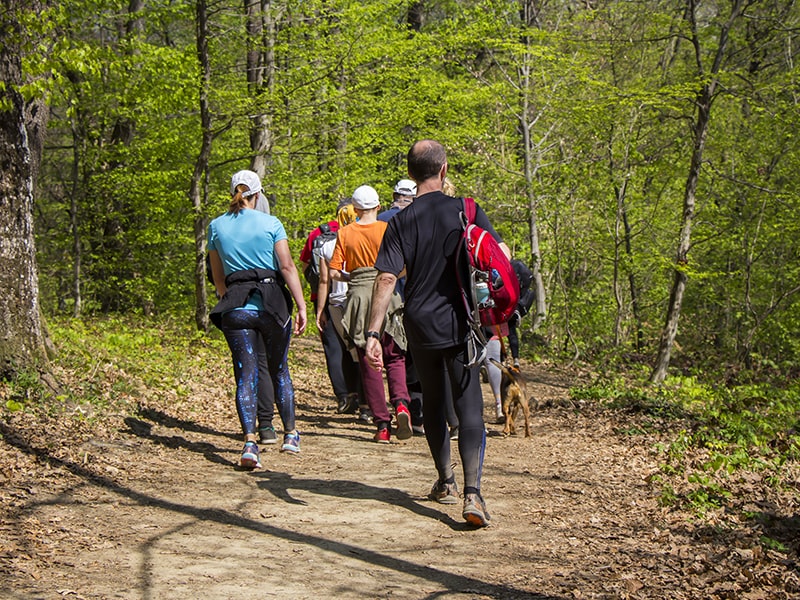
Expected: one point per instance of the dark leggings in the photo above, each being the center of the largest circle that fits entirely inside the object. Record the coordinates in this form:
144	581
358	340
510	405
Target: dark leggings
342	369
513	337
437	368
242	329
266	396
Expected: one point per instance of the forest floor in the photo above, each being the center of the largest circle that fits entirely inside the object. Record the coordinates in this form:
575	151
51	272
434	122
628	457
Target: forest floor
148	503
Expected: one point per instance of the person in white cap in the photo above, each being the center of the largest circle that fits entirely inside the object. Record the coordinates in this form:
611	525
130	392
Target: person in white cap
253	183
353	260
405	191
266	395
252	268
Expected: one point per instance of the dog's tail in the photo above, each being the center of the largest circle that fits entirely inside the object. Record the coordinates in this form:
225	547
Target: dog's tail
506	371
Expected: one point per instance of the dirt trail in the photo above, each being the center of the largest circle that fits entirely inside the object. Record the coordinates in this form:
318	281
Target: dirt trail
153	507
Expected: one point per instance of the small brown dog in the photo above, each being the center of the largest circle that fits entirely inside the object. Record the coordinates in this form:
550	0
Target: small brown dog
514	393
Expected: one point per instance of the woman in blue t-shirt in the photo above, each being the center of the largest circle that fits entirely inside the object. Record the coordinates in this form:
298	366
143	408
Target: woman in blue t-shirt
252	269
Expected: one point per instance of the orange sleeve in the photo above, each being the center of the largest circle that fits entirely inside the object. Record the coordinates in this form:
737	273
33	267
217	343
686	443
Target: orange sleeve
337	260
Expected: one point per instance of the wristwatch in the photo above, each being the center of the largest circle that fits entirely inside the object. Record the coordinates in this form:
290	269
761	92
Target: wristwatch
373	334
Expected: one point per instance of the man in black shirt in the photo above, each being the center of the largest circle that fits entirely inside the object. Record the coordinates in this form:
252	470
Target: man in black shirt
423	240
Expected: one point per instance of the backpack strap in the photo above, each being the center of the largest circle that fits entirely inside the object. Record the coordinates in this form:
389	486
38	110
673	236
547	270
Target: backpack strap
476	341
469	209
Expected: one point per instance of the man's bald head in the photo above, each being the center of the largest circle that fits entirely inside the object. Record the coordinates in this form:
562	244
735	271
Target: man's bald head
425	160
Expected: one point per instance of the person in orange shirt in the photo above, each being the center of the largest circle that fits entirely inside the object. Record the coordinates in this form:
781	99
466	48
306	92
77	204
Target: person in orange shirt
353	261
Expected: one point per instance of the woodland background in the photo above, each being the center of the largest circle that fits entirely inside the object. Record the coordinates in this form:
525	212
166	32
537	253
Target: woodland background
642	157
619	147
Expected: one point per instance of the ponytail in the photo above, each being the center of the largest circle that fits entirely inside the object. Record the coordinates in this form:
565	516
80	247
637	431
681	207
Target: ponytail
238	201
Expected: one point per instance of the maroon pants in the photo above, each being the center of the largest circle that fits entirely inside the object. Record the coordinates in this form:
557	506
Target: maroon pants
394	361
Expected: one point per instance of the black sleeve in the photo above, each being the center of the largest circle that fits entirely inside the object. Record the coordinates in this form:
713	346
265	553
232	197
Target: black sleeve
526	300
390	255
482	221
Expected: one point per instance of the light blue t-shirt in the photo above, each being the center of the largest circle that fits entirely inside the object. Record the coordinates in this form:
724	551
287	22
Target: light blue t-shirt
246	241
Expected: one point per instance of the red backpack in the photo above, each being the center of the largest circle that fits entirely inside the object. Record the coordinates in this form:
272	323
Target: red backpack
491	291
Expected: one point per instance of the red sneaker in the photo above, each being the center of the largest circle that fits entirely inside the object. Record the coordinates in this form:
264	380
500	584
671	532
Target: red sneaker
382	436
404	430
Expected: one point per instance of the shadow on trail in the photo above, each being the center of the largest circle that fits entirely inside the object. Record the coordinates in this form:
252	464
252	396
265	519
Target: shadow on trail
783	529
279	485
209	451
776	532
162	418
452	582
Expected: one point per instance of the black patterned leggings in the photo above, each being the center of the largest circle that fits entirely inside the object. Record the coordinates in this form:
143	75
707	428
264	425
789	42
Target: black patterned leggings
242	329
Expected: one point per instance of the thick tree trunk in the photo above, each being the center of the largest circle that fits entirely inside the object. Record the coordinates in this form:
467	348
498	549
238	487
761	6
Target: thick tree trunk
21	333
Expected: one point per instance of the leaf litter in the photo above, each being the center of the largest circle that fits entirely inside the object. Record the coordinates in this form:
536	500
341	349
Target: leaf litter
143	499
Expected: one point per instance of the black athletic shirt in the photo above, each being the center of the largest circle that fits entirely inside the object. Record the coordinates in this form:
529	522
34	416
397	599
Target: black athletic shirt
424	237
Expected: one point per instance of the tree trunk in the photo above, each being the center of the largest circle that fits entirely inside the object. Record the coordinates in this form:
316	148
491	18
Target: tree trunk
74	221
21	334
533	228
196	196
680	278
529	16
616	286
704	101
260	78
634	289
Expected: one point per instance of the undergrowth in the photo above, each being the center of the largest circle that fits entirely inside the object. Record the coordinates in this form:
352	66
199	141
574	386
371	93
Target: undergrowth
115	363
711	438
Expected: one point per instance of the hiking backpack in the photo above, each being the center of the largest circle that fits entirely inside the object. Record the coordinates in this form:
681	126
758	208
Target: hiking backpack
491	290
311	272
527	294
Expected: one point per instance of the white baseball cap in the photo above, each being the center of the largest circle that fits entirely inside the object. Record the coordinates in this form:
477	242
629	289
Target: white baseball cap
253	183
406	187
365	197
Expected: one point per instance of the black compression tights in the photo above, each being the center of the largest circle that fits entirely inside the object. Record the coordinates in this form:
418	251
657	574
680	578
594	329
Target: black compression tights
434	367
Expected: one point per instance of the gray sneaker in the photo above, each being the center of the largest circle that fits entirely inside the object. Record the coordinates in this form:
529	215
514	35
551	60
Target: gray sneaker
475	512
267	435
444	493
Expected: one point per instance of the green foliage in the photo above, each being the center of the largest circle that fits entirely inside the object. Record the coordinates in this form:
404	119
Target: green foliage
578	121
117	364
706	493
23	389
710	433
124	360
773	544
